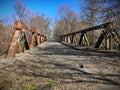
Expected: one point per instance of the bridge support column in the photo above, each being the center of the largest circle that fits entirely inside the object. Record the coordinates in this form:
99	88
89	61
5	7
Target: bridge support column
86	39
106	45
66	39
75	40
69	41
81	38
100	39
14	43
18	25
41	39
72	38
110	42
31	45
38	40
26	45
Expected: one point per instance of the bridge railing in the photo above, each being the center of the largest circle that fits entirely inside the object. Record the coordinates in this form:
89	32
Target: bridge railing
108	38
24	38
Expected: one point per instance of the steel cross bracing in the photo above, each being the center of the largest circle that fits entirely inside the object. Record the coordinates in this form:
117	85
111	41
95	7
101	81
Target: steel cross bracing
24	37
105	39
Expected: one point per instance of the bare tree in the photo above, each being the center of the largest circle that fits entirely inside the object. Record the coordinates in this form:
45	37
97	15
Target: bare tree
89	11
111	12
41	23
90	14
20	9
99	11
5	34
67	18
59	29
67	21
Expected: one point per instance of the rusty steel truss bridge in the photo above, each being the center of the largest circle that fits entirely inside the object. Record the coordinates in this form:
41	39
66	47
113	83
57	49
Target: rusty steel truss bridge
107	39
26	37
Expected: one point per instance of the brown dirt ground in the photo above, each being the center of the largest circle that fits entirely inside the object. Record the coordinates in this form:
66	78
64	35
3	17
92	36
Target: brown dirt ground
53	66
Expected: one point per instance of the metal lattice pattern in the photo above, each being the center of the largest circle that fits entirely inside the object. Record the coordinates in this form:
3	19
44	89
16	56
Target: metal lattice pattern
107	37
22	40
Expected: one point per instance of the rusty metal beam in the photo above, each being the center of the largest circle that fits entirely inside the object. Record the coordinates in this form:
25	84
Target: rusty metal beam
72	38
105	25
19	29
100	39
13	44
26	42
81	39
106	28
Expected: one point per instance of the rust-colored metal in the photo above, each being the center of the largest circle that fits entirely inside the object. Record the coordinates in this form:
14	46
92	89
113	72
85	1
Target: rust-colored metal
31	29
14	43
19	26
38	40
31	45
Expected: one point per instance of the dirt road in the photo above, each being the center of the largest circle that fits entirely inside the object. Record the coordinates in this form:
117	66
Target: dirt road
53	66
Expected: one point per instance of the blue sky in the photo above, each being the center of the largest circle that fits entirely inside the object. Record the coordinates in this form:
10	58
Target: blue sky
49	7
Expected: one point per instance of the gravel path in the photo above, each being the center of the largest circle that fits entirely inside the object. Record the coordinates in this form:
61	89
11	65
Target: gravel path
53	66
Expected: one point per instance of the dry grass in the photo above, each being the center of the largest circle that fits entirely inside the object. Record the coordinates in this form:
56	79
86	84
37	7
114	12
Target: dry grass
52	66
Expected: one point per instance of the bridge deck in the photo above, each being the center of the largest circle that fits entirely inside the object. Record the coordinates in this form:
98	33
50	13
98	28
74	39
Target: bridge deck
53	66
